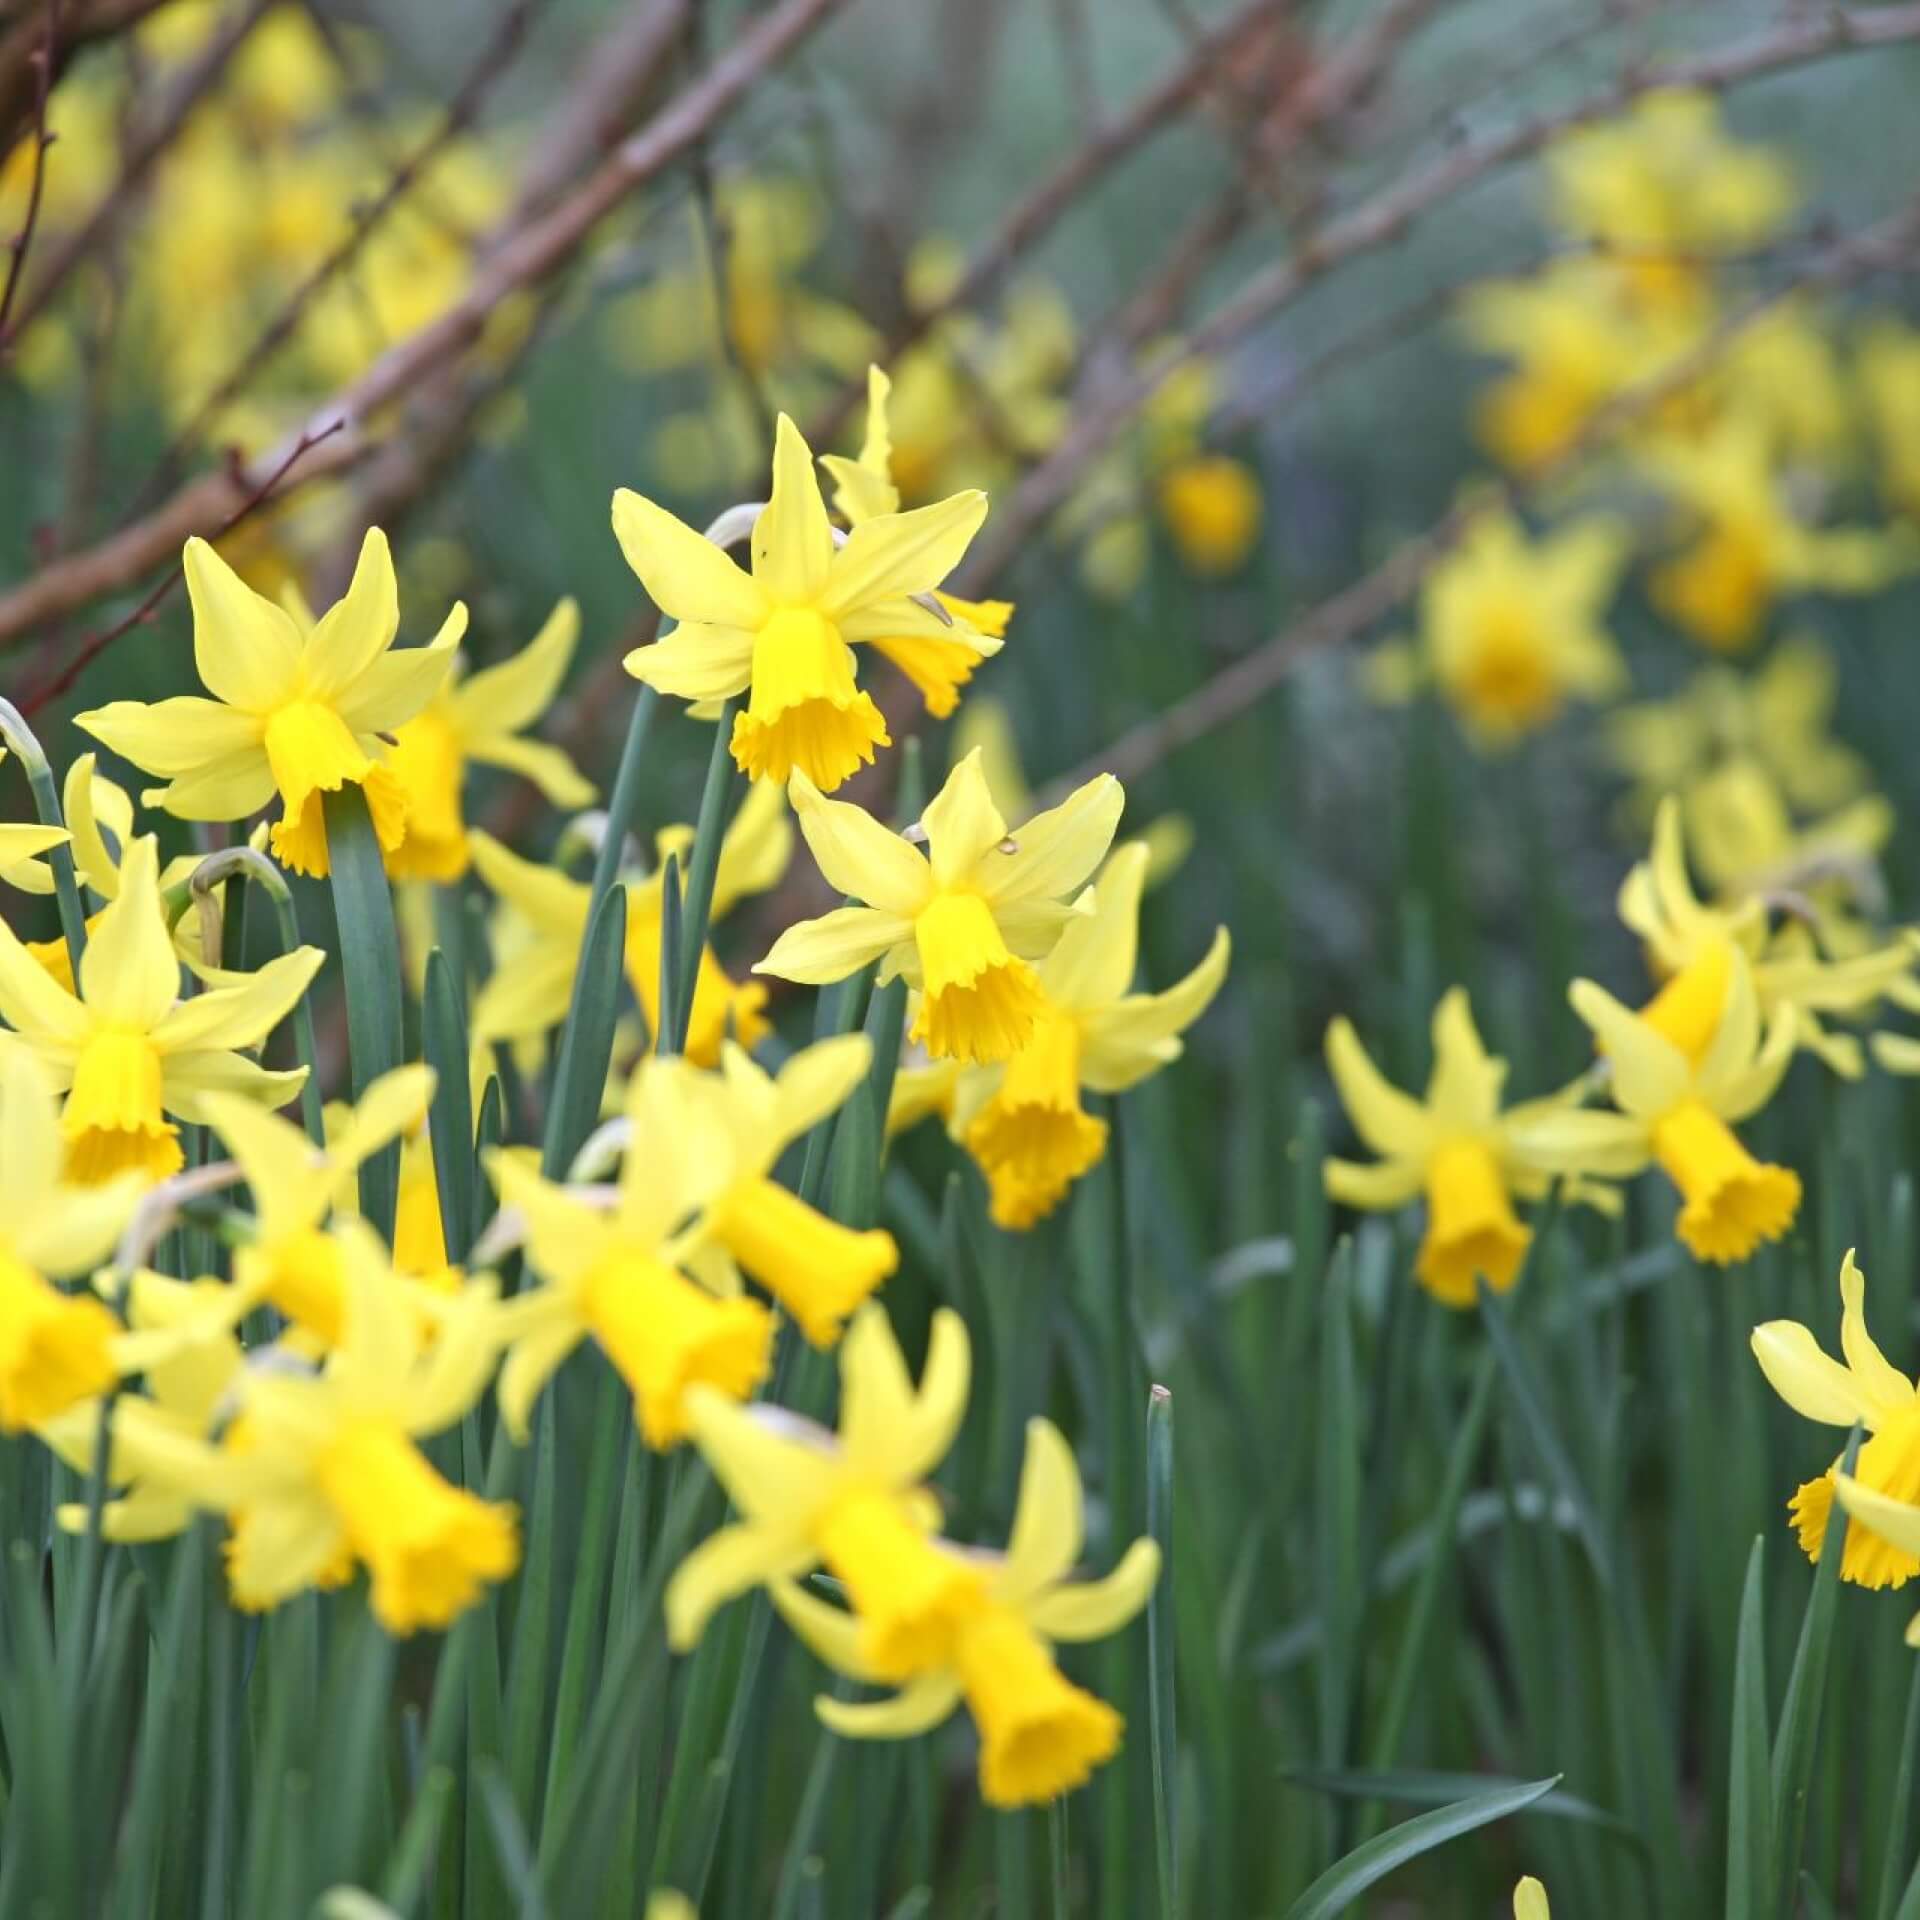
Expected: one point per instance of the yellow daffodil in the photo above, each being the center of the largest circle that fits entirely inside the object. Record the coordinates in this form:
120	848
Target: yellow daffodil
1690	944
612	1266
1745	546
532	982
939	665
1780	717
1512	627
56	1348
1040	1735
291	1262
481	719
960	922
1749	846
784	634
1213	507
1888	369
1882	1497
301	715
1680	1074
1456	1146
1023	1122
817	1269
320	1471
852	1502
128	1050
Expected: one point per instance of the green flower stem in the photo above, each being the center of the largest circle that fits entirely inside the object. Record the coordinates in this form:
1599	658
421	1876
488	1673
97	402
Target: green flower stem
625	802
703	865
46	802
244	863
1160	1644
370	964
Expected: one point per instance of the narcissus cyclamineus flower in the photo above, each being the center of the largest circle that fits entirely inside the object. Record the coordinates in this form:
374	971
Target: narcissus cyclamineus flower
132	1056
1040	1735
482	719
1456	1146
613	1267
320	1471
961	922
528	995
1679	1095
851	1501
1882	1496
56	1349
1689	943
297	714
818	1270
1024	1122
292	1262
939	665
784	634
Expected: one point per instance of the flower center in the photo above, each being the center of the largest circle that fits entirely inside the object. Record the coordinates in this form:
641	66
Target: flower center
804	709
664	1335
1732	1201
817	1269
1040	1735
978	1002
55	1348
311	752
1472	1233
113	1121
1508	680
912	1596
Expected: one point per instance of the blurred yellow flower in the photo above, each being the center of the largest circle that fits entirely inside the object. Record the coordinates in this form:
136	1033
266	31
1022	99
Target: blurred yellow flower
1212	505
296	714
127	1049
1530	1900
960	922
784	633
1888	371
1040	1735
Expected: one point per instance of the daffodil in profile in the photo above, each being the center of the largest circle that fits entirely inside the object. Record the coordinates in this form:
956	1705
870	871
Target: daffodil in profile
291	1262
784	633
818	1270
938	664
56	1349
1682	1073
1024	1122
481	719
133	1057
852	1501
612	1267
1456	1146
963	921
1040	1735
1882	1496
528	993
293	713
320	1471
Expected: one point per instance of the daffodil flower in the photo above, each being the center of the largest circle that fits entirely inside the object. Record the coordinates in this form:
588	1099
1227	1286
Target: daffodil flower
1024	1122
320	1471
128	1050
291	1262
784	634
56	1349
1040	1735
481	719
1690	943
851	1501
1678	1100
819	1270
938	664
962	921
616	1273
1882	1495
532	983
1456	1146
301	715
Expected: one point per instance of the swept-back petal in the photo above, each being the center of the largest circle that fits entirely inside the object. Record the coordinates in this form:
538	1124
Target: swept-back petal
240	1016
246	648
698	660
1812	1383
1095	1609
919	1706
1057	849
228	789
686	576
816	1081
792	542
1121	1044
1392	1123
1093	964
550	768
400	682
543	894
187	1078
857	855
1565	1140
1379	1187
359	627
896	554
31	1002
290	1186
129	973
514	694
773	1477
1649	1072
1884	1389
831	1633
963	825
1048	1521
168	738
817	952
727	1563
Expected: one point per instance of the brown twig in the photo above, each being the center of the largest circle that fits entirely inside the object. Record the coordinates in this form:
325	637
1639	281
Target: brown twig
193	87
36	190
1384	218
20	44
526	258
91	648
1229	693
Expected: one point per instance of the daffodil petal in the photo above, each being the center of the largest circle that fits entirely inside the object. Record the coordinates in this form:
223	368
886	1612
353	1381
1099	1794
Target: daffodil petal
916	1708
962	823
240	1016
857	855
1058	849
686	576
1048	1521
129	973
168	738
1094	1609
696	661
897	554
815	952
514	694
359	627
246	649
792	543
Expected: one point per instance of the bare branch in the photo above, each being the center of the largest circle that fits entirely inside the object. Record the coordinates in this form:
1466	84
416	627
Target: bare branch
21	43
42	140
